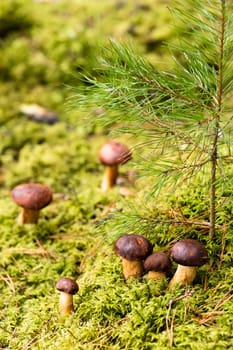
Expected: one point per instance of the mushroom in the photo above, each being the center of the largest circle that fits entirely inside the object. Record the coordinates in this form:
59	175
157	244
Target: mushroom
112	154
68	288
189	254
126	191
133	249
157	265
32	197
38	113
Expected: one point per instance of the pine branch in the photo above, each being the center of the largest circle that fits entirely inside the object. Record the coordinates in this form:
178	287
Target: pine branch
182	115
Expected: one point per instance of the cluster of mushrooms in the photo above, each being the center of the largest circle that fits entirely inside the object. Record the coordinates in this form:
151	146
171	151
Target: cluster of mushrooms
137	257
136	251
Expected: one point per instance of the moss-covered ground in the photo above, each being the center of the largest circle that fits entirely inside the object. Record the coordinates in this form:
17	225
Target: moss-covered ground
43	45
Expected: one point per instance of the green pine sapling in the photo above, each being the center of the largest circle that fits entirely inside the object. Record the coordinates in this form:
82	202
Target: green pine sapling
184	113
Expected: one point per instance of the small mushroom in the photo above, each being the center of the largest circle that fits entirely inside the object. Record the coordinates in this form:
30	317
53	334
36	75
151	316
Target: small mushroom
126	191
38	113
68	288
112	154
188	254
32	197
157	265
133	249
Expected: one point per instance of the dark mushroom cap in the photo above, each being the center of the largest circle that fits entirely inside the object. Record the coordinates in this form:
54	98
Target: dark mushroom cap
32	196
189	252
114	153
158	262
133	247
67	285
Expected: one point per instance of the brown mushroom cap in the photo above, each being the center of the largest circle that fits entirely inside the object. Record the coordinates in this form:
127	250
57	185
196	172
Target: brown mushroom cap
133	247
158	262
114	153
32	196
189	252
67	285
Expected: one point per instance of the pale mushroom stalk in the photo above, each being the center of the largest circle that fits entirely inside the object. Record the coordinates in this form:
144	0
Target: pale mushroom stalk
183	275
132	268
66	305
156	275
28	216
109	177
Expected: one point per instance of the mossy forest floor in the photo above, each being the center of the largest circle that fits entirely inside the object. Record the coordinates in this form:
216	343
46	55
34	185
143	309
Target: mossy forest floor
43	45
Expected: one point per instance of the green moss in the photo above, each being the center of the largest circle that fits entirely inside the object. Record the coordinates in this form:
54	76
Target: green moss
15	17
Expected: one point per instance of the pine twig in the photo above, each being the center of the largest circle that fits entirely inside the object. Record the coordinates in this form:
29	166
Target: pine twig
9	281
216	310
170	324
26	251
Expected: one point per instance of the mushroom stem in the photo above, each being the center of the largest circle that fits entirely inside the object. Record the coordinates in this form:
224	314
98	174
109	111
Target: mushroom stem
66	303
183	275
28	216
156	275
132	268
110	176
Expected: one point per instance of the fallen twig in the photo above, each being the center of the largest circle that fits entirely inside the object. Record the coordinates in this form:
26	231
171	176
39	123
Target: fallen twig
26	251
216	310
8	281
170	323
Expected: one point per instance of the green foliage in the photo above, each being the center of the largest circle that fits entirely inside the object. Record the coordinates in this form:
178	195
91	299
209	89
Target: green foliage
175	111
